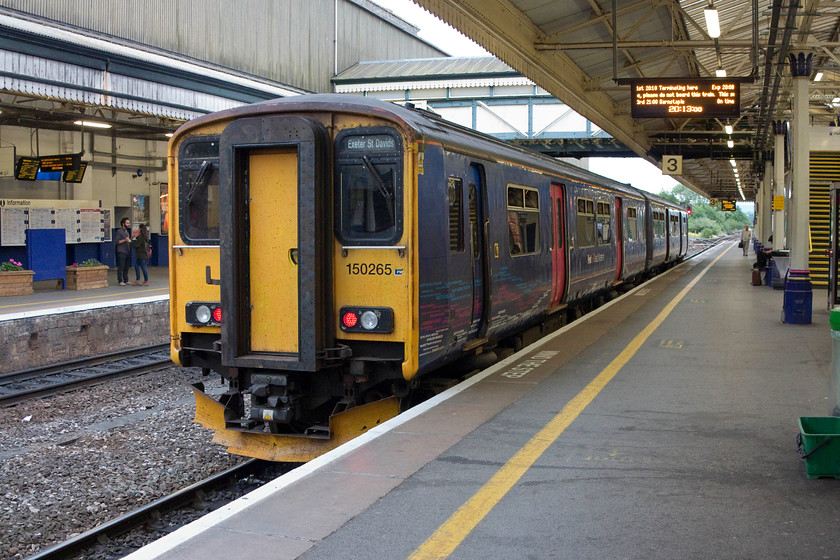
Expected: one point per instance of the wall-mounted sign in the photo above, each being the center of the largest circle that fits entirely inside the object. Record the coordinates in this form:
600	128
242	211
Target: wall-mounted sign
688	97
727	204
671	165
778	203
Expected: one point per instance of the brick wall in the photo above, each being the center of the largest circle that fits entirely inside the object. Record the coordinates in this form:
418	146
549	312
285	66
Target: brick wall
52	339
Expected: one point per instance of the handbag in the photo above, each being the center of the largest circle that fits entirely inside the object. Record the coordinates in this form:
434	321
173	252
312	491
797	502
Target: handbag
740	244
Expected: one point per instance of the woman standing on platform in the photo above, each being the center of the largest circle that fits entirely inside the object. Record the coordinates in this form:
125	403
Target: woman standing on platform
140	244
745	239
122	239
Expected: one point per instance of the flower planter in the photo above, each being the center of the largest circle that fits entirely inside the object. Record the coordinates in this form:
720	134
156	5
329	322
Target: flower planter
87	277
16	282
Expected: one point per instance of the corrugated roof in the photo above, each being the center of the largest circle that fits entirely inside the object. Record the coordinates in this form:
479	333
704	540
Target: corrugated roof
426	69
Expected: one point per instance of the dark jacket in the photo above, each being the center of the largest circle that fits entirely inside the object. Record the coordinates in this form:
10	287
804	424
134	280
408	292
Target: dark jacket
141	247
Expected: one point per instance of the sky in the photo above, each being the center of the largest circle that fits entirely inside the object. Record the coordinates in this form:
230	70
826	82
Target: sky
637	171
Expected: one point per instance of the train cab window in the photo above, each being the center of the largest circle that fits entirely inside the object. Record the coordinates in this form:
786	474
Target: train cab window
523	211
632	225
456	215
585	222
198	188
603	224
368	186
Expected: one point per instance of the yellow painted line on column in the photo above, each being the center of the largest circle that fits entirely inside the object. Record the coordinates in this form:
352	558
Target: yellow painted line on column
455	529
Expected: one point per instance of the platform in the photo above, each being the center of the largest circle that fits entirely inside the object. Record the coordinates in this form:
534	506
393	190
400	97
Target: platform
660	426
49	299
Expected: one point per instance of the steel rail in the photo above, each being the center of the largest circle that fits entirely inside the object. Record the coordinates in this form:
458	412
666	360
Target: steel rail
137	518
18	386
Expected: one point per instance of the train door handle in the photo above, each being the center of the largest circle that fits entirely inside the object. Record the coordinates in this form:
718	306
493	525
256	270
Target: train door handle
209	279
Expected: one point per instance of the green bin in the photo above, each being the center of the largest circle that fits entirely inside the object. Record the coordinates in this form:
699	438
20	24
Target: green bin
819	444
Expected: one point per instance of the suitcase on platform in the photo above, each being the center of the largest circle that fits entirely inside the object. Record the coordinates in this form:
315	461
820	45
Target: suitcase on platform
756	277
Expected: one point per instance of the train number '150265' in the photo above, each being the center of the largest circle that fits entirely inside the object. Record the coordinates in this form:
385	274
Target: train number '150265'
369	269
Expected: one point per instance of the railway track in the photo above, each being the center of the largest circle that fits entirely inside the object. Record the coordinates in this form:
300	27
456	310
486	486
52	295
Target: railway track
148	514
38	382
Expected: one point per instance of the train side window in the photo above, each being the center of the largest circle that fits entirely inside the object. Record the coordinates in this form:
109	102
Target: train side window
523	220
585	222
368	186
632	225
675	226
603	223
658	224
198	190
456	216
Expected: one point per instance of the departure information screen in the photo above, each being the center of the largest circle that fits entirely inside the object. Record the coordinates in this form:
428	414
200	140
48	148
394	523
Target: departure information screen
728	205
689	97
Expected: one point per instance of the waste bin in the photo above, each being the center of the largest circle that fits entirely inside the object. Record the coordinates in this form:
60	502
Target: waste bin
834	322
818	443
781	262
798	298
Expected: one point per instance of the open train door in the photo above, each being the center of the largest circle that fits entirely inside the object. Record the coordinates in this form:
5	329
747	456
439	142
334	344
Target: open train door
558	245
274	234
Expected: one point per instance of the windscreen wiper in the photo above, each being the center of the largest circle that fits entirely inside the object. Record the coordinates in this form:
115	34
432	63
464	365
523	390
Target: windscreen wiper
200	180
380	184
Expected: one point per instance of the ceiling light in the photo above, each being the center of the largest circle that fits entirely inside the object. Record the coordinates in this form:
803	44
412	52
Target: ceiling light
730	144
720	73
93	124
818	77
728	129
712	22
169	134
732	161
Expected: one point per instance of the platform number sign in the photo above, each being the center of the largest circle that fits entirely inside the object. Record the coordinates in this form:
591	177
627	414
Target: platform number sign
672	165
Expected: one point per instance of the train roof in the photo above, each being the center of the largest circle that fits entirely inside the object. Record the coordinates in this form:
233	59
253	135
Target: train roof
425	124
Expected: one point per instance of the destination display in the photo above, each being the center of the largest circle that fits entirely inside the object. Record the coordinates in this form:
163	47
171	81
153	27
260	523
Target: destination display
728	205
689	97
75	175
26	168
60	162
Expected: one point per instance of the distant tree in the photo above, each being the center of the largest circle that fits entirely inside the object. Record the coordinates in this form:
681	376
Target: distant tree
705	220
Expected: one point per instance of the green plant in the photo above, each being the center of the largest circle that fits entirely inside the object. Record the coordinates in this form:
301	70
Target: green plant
9	265
89	262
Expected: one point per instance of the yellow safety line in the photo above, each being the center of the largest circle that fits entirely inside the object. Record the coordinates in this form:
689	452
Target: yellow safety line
78	298
449	535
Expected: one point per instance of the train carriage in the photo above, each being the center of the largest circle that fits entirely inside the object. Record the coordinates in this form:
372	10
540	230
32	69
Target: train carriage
329	251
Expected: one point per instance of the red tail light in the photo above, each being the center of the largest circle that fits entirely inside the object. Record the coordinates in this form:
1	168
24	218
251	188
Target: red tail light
349	319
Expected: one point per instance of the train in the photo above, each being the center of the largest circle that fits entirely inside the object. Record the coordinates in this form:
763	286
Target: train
335	257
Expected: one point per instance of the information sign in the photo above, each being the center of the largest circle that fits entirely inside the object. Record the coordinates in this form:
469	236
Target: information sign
75	175
728	204
60	162
26	168
688	97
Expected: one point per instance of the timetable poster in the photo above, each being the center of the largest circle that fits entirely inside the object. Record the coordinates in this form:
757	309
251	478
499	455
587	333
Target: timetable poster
68	219
90	225
13	226
41	218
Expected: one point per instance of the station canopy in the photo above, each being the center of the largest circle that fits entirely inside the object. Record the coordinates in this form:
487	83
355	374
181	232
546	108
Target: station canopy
595	54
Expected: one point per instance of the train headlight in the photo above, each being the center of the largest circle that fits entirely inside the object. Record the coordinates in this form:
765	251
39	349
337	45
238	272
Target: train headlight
366	319
203	314
369	320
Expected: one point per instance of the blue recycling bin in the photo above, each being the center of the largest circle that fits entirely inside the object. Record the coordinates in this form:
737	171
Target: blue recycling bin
798	297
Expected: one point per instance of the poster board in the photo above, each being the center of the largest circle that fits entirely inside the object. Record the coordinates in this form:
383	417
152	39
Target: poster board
83	221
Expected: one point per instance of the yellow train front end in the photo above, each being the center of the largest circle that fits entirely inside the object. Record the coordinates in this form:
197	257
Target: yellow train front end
291	272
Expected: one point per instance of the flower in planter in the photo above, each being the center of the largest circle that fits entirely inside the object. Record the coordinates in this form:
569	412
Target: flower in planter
9	265
89	262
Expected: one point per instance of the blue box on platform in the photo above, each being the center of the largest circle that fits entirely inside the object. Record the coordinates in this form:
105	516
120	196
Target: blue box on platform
798	298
